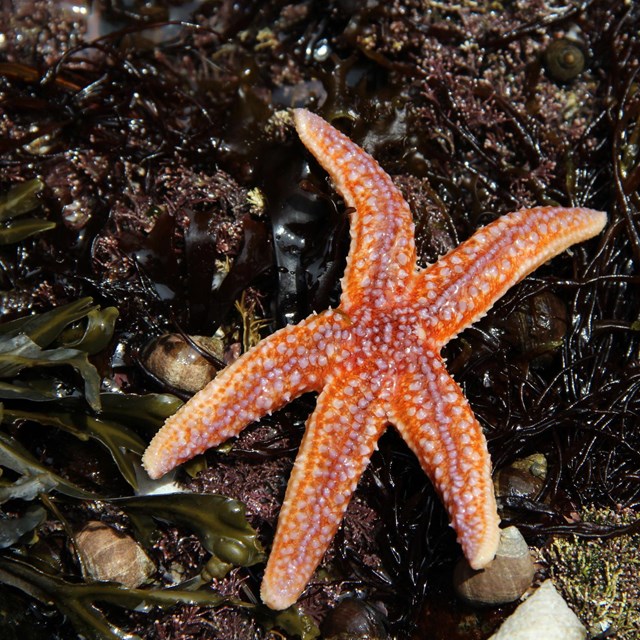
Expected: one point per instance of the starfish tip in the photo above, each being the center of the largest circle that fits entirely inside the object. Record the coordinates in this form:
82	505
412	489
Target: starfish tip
302	117
276	597
151	465
487	550
600	219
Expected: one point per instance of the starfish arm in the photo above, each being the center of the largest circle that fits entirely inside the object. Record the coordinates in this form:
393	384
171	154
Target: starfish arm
281	367
463	285
340	437
382	254
433	417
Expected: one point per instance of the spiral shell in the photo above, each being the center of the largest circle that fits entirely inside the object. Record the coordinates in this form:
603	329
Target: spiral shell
504	580
354	619
564	59
112	556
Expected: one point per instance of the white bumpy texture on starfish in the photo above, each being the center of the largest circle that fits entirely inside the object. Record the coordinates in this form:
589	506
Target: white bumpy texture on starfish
374	361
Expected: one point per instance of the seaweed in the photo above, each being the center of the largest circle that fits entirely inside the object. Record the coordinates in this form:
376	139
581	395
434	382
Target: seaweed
78	602
118	439
21	353
19	200
218	521
12	530
15	457
598	577
24	342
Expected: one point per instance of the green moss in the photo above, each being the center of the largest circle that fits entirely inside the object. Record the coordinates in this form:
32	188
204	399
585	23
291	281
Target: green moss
599	577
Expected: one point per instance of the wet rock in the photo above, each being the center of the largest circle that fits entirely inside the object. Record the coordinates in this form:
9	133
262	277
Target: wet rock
174	361
543	616
354	619
111	556
504	580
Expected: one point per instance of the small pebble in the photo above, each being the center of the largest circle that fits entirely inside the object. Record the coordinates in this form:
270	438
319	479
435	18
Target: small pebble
543	616
537	328
507	577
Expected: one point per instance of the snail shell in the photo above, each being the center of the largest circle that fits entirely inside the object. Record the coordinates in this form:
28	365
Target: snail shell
564	59
537	327
354	619
504	580
171	359
522	479
112	556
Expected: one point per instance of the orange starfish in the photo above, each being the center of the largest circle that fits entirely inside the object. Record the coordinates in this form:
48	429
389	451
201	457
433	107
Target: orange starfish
375	361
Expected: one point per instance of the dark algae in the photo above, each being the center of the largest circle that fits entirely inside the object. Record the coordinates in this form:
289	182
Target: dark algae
151	184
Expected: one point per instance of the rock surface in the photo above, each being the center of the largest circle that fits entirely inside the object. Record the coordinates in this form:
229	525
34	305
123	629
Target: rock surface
543	616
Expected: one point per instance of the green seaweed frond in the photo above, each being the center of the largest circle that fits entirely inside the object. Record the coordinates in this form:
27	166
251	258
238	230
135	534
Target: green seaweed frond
32	350
20	199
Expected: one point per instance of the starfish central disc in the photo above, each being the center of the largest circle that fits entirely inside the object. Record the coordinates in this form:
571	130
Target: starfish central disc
375	360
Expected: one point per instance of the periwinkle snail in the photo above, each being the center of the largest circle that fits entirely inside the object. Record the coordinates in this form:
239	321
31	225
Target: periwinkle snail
355	619
564	59
171	359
